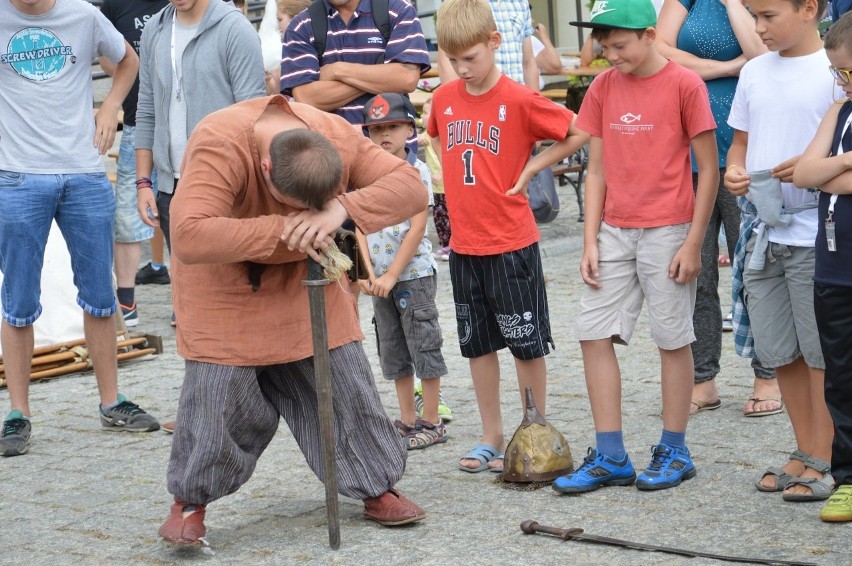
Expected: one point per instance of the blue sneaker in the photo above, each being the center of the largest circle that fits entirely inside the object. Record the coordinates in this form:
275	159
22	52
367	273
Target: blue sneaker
597	471
669	466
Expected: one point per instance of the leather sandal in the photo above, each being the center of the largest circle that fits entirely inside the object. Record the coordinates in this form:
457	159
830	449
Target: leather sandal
821	488
782	478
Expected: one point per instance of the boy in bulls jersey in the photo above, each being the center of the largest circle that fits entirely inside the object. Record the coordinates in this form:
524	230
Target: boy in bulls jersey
484	126
642	237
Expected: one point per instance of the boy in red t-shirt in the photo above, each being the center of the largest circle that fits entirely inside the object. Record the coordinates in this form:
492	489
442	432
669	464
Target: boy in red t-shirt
642	237
484	126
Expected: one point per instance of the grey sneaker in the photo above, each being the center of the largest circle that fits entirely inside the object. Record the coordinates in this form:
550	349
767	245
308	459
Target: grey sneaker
127	416
15	440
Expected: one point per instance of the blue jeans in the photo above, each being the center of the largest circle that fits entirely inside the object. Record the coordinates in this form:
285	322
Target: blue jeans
129	228
83	206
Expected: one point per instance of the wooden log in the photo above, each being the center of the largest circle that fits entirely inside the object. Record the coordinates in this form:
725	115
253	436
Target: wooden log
57	360
62	370
124	356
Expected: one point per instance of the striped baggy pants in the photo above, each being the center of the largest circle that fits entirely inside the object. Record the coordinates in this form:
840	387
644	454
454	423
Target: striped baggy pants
228	415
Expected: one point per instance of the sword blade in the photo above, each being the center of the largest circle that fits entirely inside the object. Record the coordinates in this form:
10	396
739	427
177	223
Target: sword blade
322	370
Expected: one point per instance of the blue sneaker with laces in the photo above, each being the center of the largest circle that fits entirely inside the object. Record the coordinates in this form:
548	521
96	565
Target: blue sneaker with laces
669	466
597	471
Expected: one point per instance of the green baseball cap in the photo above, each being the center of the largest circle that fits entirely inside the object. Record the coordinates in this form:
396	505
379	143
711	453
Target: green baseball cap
621	14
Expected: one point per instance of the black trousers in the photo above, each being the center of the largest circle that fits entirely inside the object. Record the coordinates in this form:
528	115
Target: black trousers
833	309
164	201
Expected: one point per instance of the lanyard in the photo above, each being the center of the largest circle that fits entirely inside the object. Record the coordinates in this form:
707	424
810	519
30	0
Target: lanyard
830	235
176	78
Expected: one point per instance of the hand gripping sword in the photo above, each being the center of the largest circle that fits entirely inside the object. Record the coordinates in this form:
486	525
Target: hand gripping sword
316	284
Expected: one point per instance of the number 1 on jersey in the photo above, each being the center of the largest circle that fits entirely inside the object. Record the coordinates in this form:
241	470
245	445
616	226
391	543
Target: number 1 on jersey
467	157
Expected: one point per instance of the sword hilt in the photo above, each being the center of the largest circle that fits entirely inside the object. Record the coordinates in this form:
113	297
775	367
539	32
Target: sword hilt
314	270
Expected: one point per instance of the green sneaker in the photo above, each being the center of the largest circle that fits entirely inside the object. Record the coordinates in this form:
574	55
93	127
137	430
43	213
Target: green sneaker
444	410
838	508
15	439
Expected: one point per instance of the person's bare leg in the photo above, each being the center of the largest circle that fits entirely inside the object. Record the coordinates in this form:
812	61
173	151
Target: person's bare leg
822	428
158	244
126	259
603	382
485	372
677	373
793	382
100	341
533	374
405	397
17	361
431	393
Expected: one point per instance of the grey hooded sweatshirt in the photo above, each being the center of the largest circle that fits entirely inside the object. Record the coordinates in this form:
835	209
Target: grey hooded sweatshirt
221	65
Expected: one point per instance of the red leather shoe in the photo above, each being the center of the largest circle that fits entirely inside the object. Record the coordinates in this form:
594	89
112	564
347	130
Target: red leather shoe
391	509
185	524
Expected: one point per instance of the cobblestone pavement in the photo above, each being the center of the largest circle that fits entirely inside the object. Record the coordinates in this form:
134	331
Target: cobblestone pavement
91	497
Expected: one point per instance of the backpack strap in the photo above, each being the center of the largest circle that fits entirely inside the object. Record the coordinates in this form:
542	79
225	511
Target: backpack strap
381	17
319	23
840	126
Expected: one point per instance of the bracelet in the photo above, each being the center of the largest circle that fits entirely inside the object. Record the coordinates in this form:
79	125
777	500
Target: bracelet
731	166
144	186
144	180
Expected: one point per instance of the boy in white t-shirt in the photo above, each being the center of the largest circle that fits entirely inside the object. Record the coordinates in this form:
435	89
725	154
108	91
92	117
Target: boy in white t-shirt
781	97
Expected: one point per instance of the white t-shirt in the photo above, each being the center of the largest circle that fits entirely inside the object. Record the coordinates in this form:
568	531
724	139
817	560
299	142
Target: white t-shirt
780	102
177	106
537	47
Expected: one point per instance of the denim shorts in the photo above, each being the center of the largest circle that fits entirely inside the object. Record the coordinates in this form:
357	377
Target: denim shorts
408	332
129	228
634	268
83	206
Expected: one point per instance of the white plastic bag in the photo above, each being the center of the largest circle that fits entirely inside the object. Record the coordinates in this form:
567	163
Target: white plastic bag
270	38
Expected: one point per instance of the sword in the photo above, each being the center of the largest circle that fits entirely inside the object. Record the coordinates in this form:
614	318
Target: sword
531	527
316	284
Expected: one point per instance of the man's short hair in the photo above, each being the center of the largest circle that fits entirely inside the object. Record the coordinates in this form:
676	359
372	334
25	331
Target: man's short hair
305	167
463	24
840	33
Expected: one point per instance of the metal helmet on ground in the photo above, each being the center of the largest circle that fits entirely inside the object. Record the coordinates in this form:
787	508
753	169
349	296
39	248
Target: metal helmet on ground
537	452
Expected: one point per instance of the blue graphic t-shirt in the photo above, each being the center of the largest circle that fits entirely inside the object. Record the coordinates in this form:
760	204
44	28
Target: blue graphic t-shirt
707	33
46	120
